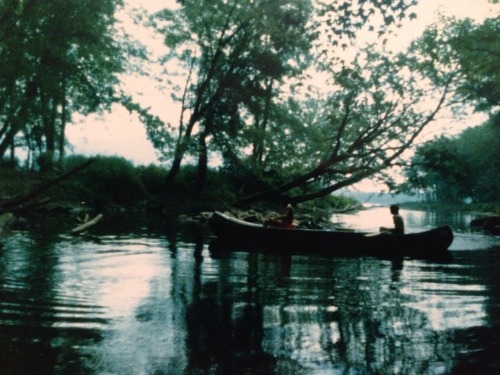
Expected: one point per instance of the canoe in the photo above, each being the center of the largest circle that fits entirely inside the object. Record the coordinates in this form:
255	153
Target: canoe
490	225
234	234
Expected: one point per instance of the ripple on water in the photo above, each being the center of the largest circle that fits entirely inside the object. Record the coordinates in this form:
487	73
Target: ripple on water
73	287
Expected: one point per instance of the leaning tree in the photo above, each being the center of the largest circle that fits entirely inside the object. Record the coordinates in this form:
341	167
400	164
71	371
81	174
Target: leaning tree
378	108
237	55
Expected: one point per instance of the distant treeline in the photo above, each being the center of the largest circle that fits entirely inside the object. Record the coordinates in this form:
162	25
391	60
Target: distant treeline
465	168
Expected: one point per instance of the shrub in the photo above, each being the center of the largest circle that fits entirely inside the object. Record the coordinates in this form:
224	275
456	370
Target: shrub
153	178
9	163
111	180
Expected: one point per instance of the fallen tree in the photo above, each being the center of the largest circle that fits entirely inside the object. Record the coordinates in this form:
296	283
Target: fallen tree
87	224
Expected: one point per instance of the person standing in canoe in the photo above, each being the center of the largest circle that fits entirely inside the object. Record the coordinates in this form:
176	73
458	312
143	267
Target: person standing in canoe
283	221
399	224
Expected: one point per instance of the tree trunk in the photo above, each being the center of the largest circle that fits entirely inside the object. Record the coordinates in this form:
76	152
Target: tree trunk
181	149
265	121
13	152
6	142
62	136
201	176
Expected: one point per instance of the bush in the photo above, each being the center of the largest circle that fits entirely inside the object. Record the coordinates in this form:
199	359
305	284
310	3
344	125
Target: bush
9	163
218	193
110	180
153	178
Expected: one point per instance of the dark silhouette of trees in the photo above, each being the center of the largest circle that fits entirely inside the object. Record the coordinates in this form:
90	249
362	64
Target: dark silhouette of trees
456	169
239	57
465	167
58	58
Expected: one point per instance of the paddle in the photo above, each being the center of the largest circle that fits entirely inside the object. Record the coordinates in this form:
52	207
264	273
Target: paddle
373	234
382	231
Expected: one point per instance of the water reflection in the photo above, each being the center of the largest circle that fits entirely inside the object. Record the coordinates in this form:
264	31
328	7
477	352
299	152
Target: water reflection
162	303
453	301
374	217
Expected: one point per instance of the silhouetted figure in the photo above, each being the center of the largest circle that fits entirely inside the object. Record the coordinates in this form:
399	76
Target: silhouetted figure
283	221
399	224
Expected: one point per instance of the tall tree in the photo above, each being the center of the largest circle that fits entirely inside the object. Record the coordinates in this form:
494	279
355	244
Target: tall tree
60	58
234	53
465	167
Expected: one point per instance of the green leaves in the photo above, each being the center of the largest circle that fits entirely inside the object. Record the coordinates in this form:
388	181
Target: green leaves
471	52
234	55
62	59
455	169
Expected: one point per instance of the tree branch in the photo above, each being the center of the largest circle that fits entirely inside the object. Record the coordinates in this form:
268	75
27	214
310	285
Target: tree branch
13	203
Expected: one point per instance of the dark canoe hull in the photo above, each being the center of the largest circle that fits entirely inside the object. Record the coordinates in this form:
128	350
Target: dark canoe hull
490	225
233	234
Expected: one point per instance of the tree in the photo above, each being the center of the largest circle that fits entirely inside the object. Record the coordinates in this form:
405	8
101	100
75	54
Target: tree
455	169
464	167
474	52
238	54
439	171
364	127
59	57
234	53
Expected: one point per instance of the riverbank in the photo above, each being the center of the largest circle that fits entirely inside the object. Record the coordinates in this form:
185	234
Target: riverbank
116	187
482	208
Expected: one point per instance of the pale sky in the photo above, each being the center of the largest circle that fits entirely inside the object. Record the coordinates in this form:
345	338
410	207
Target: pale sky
120	133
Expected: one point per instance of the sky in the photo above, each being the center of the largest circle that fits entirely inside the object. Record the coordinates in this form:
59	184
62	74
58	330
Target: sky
121	133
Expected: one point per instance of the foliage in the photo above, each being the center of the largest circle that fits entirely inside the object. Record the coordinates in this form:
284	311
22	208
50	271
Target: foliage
153	178
109	181
478	53
472	50
238	57
455	169
58	57
439	171
344	18
233	54
339	22
10	163
379	108
112	182
465	167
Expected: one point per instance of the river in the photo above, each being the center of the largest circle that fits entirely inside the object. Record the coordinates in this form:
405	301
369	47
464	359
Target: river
150	297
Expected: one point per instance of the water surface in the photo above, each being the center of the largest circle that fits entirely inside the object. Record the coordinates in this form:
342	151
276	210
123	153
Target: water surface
130	299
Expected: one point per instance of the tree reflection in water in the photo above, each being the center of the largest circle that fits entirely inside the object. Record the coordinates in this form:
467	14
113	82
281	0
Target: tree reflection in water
146	304
36	321
279	313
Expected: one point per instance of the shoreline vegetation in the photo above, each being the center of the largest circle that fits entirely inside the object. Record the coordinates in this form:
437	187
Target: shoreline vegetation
114	185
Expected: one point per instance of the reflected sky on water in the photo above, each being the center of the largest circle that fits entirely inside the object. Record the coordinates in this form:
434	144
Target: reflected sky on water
143	302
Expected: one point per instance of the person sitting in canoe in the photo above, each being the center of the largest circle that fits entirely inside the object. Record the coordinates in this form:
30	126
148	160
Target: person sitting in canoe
283	221
399	224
